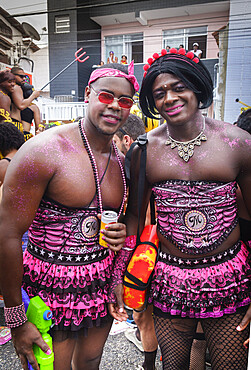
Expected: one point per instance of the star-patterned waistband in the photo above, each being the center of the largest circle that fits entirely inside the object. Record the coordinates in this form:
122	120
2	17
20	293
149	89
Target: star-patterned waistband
66	259
192	263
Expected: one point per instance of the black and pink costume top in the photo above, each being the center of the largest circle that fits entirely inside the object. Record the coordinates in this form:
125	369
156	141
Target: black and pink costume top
196	217
67	267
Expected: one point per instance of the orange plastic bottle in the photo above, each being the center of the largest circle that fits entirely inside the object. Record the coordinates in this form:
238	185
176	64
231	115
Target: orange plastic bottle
139	269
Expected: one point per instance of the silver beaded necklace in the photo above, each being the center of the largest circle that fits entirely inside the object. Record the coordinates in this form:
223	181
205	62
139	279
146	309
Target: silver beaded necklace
186	148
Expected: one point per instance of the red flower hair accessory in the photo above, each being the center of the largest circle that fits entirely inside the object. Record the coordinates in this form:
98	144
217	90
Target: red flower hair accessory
182	51
150	61
156	56
190	55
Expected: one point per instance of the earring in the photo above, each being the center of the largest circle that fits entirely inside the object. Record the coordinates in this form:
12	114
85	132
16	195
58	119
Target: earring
86	101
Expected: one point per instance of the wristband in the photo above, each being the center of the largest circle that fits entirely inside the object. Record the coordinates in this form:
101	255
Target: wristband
15	316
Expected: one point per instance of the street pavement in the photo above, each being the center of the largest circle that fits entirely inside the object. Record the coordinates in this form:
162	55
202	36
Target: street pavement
119	354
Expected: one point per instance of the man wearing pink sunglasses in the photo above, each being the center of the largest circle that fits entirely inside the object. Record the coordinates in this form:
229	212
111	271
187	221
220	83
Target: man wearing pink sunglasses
57	187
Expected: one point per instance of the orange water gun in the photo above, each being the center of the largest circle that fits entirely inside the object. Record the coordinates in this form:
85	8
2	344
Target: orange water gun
140	269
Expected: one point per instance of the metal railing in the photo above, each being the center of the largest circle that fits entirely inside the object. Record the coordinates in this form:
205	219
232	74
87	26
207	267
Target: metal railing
64	111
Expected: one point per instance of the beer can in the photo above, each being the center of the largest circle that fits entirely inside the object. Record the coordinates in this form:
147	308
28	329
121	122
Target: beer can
107	217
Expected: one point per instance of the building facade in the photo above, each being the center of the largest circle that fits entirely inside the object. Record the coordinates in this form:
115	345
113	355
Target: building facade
16	47
136	29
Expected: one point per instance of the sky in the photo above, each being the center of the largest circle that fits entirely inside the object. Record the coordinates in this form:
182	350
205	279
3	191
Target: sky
37	21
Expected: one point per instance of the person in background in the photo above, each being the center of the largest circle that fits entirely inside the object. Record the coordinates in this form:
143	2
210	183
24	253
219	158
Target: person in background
181	46
123	59
244	120
7	84
11	139
128	133
196	50
168	48
18	101
193	166
57	186
32	112
112	58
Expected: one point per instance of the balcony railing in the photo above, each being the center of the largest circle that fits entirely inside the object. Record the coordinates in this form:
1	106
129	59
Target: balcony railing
65	111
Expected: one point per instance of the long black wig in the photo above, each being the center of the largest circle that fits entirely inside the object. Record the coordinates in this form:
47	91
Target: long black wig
195	75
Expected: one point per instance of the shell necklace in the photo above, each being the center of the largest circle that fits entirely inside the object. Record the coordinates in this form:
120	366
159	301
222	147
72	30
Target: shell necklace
95	169
186	148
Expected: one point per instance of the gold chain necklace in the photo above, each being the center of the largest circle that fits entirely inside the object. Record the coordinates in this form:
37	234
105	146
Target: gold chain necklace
186	148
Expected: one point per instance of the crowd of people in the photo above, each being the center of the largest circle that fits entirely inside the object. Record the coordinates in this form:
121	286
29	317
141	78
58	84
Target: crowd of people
194	50
58	184
16	103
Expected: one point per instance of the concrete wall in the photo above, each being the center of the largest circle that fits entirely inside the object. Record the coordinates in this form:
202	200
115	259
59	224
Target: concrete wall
238	75
41	70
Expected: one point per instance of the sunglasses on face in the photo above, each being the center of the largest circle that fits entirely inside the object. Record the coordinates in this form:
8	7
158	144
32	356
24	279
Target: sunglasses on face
22	76
108	98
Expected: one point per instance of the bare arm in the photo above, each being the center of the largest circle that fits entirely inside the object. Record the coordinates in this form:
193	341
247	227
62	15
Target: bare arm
37	118
18	98
25	182
5	102
244	177
131	219
244	181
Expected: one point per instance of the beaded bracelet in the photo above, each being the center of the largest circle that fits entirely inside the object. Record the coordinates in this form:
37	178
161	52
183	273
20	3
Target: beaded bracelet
15	316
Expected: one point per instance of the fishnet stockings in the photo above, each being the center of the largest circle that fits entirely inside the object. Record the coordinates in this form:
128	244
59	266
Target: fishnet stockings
225	343
175	338
198	355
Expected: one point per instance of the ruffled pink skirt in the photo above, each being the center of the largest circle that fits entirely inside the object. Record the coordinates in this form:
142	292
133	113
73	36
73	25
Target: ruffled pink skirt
76	294
203	287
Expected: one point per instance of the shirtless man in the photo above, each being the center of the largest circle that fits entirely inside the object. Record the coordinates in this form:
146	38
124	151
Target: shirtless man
7	84
17	97
56	186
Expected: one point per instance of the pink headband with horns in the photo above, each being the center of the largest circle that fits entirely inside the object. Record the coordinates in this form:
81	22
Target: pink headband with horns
110	72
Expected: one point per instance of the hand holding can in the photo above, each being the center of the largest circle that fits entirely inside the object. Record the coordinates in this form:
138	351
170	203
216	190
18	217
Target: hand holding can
107	217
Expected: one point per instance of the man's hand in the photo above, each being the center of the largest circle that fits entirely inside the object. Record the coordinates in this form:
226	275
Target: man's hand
117	310
36	94
244	323
23	339
114	235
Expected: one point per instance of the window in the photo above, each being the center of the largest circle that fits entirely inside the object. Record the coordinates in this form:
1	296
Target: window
130	45
187	36
62	24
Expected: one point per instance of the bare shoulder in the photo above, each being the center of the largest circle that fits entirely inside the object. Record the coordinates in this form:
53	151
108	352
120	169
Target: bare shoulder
157	135
4	98
5	101
48	149
233	136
